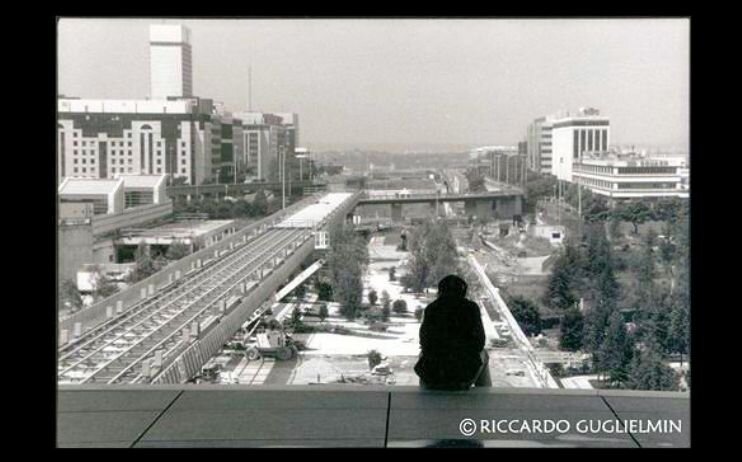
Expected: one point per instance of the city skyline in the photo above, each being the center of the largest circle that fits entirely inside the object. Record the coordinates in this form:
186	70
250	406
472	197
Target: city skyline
412	84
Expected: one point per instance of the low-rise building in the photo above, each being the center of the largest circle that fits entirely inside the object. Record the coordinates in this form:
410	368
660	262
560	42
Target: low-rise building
144	190
632	176
106	196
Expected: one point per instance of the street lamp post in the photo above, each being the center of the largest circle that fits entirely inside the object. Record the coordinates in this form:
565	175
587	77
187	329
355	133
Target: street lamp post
283	178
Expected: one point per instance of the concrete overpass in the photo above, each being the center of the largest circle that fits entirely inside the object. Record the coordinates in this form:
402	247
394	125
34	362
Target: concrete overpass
188	192
500	204
163	329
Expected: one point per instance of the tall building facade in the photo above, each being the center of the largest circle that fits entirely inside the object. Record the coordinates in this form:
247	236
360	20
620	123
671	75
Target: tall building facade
267	137
538	145
170	61
575	135
109	138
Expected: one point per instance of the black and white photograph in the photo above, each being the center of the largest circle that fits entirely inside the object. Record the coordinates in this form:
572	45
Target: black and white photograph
314	232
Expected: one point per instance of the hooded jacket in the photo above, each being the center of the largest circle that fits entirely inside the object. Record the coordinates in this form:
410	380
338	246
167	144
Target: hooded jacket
451	338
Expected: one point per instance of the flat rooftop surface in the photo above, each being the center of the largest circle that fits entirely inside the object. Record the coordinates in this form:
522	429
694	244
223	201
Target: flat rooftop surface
88	186
182	229
316	212
359	416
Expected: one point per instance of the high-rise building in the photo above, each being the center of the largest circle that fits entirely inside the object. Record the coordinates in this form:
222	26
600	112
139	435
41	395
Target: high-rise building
575	135
171	74
539	145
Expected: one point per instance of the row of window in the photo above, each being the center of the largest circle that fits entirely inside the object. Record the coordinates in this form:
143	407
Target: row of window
594	169
646	185
596	183
119	170
159	144
646	170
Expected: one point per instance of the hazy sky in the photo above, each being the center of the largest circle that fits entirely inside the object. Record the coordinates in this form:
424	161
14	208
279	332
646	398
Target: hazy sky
409	82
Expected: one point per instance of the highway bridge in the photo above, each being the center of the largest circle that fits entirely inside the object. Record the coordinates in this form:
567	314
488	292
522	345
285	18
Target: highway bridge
167	335
237	189
498	204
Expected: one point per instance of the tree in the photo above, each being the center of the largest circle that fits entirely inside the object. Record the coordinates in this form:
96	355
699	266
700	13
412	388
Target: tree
104	287
242	209
649	372
646	273
177	250
614	228
145	265
595	208
475	180
300	291
324	290
68	297
526	313
559	293
399	306
636	212
372	297
538	188
433	255
668	209
615	352
595	325
260	203
679	336
571	330
348	292
323	312
374	358
347	258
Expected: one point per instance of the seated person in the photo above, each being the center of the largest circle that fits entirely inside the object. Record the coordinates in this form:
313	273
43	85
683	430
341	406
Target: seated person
452	341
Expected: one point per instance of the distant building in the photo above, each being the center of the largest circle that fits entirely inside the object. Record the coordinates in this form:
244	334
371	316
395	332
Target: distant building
266	138
170	62
575	135
538	145
502	163
632	176
103	139
144	190
106	196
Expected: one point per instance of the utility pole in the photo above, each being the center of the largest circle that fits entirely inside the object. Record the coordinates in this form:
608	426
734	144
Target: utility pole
283	178
559	201
579	198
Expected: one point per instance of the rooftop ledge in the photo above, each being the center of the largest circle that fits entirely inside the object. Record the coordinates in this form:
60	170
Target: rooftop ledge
366	416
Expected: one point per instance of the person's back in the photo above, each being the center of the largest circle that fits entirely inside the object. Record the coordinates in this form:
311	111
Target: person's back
452	340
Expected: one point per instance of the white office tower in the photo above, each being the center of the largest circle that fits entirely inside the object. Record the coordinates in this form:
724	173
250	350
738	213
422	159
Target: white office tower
170	61
573	136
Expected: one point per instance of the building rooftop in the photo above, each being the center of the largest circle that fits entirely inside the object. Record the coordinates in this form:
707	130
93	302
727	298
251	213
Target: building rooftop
313	214
127	106
142	181
89	186
181	229
631	159
357	416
